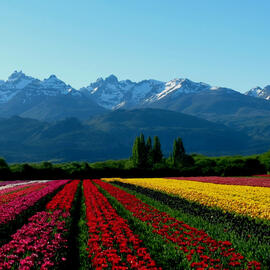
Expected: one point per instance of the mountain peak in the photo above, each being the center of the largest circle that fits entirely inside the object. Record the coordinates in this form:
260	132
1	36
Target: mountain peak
52	78
111	79
16	75
56	84
17	80
259	92
52	81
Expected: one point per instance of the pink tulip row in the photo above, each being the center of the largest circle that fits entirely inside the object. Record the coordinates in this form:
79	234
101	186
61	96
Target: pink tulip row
13	188
38	244
20	192
34	245
10	210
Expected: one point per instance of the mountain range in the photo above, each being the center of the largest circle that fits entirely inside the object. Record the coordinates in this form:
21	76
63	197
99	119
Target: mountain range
27	96
108	106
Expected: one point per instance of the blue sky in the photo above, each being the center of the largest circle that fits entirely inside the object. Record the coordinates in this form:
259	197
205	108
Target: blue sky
221	42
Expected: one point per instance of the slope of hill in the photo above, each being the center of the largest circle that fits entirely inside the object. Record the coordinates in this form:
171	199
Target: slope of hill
111	136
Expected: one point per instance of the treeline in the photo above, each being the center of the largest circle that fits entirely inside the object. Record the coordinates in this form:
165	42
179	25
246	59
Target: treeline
148	156
147	160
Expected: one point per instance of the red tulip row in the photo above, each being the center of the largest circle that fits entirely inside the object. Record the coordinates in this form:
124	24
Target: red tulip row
20	191
10	210
37	244
63	200
201	250
111	244
242	181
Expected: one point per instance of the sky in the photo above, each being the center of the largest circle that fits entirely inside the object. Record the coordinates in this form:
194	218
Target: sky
220	42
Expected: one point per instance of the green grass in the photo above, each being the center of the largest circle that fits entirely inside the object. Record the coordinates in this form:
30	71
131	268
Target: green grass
82	237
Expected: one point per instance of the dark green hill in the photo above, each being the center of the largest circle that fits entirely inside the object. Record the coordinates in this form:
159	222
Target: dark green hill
110	136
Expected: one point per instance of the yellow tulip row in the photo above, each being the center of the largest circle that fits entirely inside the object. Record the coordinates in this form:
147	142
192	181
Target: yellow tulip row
245	200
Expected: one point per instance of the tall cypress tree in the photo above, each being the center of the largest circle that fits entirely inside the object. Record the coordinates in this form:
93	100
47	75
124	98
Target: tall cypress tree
136	152
157	153
143	152
139	154
149	145
178	154
149	152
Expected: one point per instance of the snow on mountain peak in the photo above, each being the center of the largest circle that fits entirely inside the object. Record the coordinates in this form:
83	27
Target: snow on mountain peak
56	84
108	92
17	80
214	88
176	87
255	92
112	93
259	92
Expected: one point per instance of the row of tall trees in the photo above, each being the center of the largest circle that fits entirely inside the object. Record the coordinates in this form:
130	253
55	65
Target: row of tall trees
146	154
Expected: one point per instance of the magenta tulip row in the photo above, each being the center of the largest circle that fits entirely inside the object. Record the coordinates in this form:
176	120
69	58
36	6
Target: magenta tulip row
15	187
39	243
20	192
39	238
10	210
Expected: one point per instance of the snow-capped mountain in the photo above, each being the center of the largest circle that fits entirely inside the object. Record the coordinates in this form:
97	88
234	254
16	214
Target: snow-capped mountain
113	94
16	81
260	92
47	99
19	83
177	87
52	99
109	92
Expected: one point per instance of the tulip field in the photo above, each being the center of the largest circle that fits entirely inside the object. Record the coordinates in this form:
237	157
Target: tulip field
138	223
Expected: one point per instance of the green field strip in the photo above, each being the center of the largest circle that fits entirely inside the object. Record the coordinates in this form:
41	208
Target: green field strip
82	236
